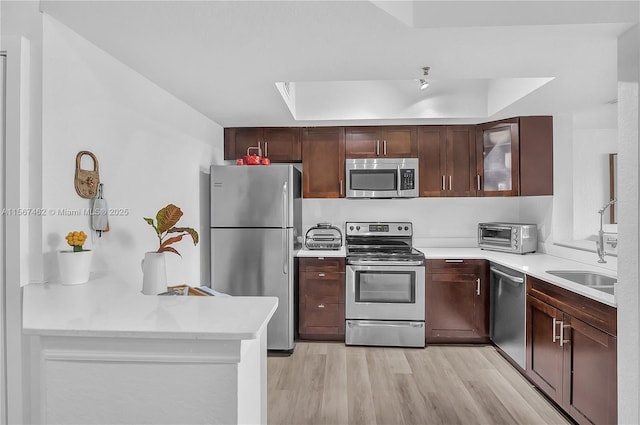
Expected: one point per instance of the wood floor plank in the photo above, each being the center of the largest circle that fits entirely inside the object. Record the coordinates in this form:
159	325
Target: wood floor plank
335	409
333	384
385	400
360	398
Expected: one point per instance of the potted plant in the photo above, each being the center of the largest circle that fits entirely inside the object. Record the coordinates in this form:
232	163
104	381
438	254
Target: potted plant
154	271
75	264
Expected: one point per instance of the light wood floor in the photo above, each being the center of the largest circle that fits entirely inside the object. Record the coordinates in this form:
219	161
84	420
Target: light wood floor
330	383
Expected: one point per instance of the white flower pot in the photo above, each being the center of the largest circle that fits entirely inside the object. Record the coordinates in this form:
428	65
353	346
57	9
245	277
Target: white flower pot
74	267
154	273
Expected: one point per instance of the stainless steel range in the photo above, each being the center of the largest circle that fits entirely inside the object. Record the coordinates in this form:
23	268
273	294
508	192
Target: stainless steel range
385	285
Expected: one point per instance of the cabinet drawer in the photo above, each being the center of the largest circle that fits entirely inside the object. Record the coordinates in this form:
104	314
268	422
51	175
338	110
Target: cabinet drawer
321	313
322	264
327	285
458	264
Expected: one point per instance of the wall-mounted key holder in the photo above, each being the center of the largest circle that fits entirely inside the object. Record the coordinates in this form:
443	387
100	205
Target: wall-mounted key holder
87	181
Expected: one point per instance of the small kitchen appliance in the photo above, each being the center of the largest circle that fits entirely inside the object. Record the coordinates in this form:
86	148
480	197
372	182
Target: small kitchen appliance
382	177
385	285
518	238
323	236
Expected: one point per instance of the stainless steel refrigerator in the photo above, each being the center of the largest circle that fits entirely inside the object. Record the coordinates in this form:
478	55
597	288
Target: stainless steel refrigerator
255	223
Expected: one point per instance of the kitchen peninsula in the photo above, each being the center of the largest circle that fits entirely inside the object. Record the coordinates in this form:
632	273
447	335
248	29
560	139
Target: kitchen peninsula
102	352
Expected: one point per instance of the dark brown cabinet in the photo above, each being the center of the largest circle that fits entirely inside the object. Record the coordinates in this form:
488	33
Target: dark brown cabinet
447	160
457	301
380	142
515	157
323	162
321	298
571	351
279	144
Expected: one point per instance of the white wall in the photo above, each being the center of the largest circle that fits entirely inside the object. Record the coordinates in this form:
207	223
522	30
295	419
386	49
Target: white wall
627	292
152	149
436	221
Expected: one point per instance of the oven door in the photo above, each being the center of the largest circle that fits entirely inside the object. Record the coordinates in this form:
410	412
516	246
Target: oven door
496	237
385	292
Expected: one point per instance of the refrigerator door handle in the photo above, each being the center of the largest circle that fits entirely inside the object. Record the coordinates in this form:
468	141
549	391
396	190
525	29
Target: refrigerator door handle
285	205
285	252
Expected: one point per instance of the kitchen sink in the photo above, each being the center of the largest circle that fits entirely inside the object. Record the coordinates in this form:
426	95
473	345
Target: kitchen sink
594	280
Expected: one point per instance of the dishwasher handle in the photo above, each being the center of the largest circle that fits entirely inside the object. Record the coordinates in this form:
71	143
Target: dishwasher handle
514	279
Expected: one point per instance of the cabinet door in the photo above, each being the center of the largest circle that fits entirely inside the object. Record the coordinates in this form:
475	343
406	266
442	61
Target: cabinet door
544	353
536	155
398	142
498	158
451	310
238	140
323	162
432	158
461	161
362	142
281	144
590	390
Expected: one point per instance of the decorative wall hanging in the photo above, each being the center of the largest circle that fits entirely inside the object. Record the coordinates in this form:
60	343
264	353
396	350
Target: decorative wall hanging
87	181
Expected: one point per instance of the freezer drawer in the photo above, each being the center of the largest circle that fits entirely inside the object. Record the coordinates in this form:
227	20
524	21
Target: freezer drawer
384	333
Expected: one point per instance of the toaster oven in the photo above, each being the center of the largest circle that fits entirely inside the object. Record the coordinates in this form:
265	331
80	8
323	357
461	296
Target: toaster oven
508	237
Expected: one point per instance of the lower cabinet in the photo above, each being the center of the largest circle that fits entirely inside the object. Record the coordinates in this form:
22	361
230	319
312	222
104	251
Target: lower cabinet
321	298
571	351
457	301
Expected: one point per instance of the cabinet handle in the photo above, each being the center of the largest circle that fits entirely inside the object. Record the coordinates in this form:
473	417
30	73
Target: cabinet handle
384	147
443	183
266	149
562	340
553	324
341	187
320	305
378	147
259	149
449	182
320	258
321	275
478	286
478	180
454	261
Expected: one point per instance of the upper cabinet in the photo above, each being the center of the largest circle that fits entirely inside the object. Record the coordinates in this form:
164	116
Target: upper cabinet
515	157
447	157
279	144
381	142
323	162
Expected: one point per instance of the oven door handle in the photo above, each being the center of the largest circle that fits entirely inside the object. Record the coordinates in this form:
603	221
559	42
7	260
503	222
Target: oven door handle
387	324
385	263
507	276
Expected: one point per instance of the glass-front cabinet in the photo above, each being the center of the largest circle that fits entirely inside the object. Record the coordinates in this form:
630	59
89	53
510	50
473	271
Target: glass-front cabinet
498	170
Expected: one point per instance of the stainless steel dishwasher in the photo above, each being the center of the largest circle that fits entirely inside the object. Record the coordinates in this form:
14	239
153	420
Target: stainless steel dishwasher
508	312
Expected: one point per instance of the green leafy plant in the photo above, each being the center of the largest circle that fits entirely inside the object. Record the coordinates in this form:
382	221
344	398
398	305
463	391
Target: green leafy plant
164	225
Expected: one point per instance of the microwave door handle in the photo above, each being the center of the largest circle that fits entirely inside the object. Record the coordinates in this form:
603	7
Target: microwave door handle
399	178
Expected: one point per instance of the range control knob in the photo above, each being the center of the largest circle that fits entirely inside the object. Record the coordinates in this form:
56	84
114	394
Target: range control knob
357	227
406	227
399	227
350	227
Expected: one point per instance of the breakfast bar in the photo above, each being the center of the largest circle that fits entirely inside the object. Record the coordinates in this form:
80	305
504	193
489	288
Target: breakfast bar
102	352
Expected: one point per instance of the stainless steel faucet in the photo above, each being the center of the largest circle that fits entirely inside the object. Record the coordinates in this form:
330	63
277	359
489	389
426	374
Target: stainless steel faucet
600	241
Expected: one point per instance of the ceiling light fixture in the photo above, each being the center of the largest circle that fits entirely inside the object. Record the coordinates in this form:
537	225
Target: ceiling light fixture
423	81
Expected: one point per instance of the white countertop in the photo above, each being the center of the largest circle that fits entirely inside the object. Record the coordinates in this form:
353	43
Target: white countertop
322	253
107	307
534	264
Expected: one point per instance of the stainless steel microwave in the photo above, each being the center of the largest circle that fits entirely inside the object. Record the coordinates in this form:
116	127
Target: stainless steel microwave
382	178
508	237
